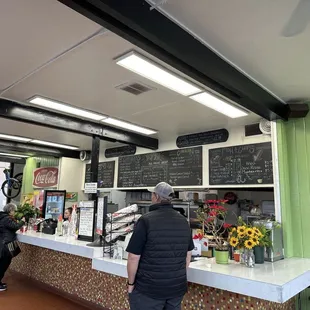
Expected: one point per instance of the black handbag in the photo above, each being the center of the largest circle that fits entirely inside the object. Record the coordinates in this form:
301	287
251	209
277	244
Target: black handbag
13	248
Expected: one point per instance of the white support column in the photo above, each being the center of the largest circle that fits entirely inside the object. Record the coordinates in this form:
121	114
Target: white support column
276	178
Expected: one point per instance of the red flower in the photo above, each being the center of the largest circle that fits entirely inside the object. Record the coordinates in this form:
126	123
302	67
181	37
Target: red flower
226	225
213	213
199	236
210	219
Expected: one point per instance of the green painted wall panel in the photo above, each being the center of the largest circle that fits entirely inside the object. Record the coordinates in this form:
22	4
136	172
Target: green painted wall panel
294	169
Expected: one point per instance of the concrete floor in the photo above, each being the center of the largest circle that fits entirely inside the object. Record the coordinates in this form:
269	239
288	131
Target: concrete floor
25	295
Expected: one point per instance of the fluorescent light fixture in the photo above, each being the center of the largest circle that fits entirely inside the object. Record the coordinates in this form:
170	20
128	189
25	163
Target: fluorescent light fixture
13	155
150	70
64	146
62	107
14	138
129	126
218	105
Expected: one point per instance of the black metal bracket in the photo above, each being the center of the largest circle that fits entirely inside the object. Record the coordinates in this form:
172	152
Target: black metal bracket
20	112
35	150
15	160
156	34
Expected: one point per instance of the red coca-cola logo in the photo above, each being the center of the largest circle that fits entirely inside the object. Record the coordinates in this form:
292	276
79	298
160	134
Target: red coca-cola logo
45	177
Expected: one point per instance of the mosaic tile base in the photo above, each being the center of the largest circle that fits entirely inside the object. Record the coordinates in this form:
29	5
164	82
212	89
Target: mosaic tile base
73	275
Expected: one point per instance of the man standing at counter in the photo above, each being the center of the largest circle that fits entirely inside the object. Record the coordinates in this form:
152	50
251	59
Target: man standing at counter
159	254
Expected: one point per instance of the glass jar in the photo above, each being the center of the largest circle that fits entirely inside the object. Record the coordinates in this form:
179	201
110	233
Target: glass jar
249	258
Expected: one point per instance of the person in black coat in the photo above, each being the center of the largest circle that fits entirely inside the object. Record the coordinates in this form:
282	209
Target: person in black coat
8	228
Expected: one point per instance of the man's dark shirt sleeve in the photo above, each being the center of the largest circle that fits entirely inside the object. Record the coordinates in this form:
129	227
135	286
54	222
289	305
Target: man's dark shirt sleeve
138	238
191	245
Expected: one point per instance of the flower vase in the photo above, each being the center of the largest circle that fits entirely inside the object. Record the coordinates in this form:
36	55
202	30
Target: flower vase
259	252
221	257
249	258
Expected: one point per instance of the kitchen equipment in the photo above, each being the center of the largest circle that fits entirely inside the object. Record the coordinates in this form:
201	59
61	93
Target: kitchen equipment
276	235
268	207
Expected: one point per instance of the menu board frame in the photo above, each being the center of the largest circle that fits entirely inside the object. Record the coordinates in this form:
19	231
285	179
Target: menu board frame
90	207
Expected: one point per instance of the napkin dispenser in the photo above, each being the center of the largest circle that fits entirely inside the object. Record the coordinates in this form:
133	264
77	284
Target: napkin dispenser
123	243
197	249
49	227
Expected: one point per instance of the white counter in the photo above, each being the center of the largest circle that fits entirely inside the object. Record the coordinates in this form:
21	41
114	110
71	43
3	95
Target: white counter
67	245
277	282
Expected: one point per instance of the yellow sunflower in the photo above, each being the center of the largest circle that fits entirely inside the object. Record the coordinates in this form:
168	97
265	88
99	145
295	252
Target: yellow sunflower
250	232
257	231
255	240
249	244
241	229
241	235
233	241
234	229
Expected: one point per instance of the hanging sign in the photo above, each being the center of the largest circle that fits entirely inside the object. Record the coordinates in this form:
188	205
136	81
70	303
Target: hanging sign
45	177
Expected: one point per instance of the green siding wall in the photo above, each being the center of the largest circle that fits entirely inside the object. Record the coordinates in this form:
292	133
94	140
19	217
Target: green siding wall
294	169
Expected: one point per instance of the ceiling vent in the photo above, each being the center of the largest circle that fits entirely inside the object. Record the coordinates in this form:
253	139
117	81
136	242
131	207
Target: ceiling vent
134	88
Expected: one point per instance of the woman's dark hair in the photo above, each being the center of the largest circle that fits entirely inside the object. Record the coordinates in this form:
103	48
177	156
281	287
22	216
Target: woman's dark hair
70	210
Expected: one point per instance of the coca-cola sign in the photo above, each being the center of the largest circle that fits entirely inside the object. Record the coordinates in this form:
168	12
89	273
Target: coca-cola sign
45	177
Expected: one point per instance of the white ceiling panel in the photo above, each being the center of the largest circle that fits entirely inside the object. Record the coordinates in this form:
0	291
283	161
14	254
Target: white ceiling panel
248	33
87	78
34	31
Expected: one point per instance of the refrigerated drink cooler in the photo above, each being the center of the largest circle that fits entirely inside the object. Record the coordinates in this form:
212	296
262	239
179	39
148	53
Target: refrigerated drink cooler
54	204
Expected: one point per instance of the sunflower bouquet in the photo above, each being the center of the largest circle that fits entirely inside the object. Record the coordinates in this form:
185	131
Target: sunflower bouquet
247	237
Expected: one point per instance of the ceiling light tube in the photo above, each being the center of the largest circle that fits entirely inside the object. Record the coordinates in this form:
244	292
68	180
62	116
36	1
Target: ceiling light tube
14	155
218	105
129	126
63	146
14	138
154	72
65	108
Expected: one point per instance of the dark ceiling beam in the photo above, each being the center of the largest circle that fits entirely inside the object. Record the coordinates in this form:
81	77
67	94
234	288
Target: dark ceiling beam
20	112
31	149
13	160
153	32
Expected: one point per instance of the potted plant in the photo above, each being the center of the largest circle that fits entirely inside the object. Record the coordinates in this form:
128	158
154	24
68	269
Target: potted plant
212	217
27	211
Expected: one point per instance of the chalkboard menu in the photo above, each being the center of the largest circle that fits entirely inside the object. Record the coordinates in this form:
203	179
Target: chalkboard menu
105	174
120	151
202	138
177	167
242	164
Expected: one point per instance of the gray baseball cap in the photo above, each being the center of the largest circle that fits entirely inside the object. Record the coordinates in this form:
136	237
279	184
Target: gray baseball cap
163	189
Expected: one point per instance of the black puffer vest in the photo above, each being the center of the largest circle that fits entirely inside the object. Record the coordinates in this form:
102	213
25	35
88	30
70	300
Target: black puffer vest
162	268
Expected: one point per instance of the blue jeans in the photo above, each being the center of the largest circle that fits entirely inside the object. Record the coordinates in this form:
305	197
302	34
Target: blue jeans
139	301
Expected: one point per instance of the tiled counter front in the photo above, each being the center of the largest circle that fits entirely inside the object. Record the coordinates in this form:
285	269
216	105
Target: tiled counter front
74	275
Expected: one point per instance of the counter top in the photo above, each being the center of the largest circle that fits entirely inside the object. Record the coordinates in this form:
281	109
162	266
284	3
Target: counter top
67	245
277	282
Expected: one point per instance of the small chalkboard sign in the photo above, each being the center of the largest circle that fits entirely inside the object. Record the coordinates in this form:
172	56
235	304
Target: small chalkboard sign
120	151
202	138
105	174
177	167
241	165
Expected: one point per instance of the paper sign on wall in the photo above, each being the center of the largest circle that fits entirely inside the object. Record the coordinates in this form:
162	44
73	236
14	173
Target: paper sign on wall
99	226
91	188
86	223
